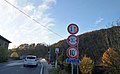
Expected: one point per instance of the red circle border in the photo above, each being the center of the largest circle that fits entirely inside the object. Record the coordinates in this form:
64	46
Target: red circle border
73	44
71	32
67	52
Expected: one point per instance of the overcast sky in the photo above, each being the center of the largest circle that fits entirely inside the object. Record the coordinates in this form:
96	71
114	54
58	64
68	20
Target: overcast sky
55	16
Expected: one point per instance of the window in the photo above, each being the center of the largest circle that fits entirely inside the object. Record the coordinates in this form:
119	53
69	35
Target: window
6	45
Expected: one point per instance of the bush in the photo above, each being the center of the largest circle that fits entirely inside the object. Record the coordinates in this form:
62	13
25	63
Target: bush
86	65
14	56
3	55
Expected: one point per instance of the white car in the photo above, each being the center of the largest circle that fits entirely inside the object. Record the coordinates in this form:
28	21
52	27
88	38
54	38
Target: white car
30	60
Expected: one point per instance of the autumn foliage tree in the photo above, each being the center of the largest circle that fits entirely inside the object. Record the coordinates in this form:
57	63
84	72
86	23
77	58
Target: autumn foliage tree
86	65
14	54
60	59
111	59
39	50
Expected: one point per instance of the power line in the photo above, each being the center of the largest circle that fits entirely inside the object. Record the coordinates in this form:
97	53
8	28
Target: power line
32	18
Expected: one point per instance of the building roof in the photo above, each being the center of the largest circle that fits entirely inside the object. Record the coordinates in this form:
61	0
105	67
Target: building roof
1	37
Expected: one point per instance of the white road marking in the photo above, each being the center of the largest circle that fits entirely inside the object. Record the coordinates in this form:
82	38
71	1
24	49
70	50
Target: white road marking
41	71
13	64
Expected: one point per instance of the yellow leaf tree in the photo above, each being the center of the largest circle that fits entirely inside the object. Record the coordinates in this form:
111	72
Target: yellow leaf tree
14	54
86	65
111	59
60	59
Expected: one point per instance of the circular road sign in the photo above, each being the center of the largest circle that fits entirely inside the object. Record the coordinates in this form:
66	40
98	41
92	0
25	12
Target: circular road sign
72	52
72	40
73	29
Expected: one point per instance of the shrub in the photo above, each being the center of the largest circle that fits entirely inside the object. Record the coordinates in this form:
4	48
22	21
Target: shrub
3	55
14	55
86	65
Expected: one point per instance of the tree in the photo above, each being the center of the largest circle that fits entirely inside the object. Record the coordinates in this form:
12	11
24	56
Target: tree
111	59
39	50
60	59
14	55
86	65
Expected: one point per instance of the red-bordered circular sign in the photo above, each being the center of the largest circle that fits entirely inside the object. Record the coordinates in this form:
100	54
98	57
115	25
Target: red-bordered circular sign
72	52
73	29
72	40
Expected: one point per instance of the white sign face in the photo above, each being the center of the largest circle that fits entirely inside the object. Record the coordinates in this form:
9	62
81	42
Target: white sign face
72	40
56	50
72	52
73	28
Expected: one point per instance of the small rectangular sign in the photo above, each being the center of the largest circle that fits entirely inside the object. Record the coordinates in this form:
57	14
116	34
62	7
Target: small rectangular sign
72	60
56	50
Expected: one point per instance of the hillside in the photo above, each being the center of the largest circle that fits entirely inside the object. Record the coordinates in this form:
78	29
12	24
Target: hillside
93	44
40	50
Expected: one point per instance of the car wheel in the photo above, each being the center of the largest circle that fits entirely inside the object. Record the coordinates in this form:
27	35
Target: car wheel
36	65
24	65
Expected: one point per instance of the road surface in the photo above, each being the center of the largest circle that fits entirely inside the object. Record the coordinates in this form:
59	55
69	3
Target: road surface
16	67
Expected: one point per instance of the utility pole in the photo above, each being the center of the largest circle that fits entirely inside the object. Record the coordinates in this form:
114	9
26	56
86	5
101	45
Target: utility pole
56	60
49	55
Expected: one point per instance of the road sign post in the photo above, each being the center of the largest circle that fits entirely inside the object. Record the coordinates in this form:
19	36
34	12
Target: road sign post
72	40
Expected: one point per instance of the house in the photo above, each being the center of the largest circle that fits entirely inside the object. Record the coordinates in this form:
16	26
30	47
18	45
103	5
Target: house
4	43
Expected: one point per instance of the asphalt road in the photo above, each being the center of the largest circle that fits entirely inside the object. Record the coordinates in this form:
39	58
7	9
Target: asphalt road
17	68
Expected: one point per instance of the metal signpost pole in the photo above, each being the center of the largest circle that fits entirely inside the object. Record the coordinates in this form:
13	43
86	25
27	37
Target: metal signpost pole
77	68
49	57
56	60
77	63
56	51
49	54
72	67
